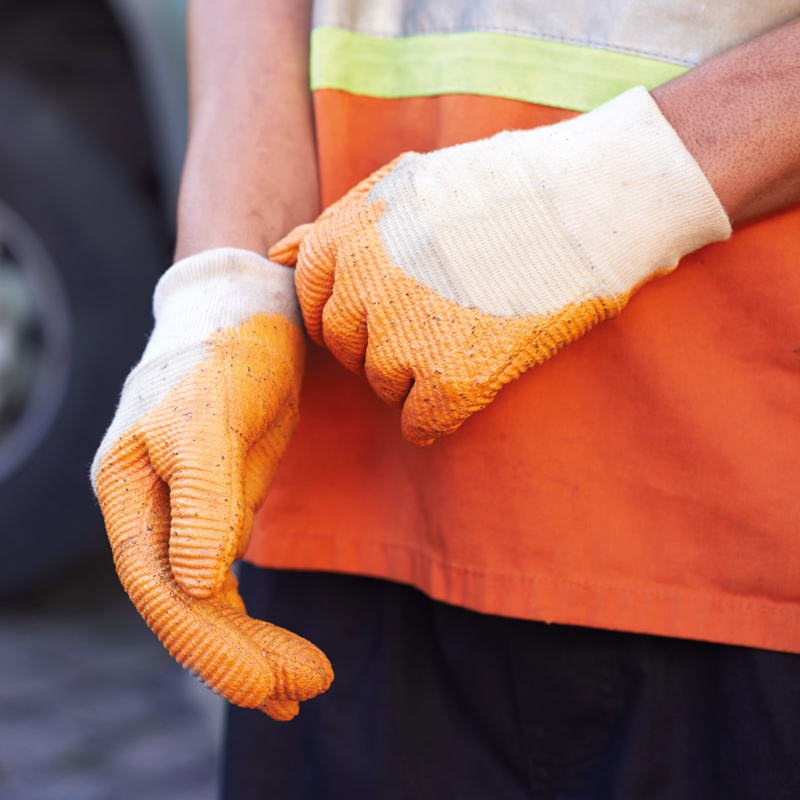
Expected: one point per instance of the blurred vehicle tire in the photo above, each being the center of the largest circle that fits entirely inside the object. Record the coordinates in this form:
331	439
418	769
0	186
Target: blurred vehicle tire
86	251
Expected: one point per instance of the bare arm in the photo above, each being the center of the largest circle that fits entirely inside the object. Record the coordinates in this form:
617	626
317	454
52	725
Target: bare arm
739	116
250	173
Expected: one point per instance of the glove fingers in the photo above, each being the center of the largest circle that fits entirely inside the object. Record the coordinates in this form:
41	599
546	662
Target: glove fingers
473	358
249	662
285	251
262	462
389	377
281	710
339	277
229	593
432	410
344	325
199	438
209	511
278	709
452	388
314	277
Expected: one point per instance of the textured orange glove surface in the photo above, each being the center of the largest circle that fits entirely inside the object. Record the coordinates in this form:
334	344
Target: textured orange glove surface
445	276
201	427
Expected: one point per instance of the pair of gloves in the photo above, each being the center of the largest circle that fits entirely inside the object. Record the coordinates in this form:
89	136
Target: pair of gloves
443	276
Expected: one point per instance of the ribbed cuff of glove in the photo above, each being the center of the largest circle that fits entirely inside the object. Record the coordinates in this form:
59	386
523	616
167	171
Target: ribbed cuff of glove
196	297
626	188
214	290
528	221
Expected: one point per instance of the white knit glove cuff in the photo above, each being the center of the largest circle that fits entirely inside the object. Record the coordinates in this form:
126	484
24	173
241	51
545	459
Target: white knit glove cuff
626	188
527	222
196	297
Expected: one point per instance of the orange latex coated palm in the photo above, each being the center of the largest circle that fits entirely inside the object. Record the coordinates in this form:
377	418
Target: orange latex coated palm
440	360
446	275
178	488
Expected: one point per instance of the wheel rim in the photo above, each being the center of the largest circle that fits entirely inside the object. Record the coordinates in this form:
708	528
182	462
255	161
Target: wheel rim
35	341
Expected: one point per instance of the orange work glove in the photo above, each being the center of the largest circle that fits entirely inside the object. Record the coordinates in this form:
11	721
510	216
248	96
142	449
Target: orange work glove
447	275
201	427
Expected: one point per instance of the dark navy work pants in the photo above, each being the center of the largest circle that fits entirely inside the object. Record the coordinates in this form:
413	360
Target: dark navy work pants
435	702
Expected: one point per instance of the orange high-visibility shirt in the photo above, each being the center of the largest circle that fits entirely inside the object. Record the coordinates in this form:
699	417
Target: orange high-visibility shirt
647	478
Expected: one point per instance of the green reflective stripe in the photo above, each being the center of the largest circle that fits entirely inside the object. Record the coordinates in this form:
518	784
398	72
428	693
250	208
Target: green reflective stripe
500	65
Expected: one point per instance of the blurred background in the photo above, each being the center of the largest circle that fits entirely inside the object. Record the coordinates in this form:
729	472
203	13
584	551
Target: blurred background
92	132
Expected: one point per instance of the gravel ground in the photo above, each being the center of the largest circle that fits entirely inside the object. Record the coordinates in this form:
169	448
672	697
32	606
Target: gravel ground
91	705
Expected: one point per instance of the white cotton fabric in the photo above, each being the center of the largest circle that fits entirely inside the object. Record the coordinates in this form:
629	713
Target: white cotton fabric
528	221
195	298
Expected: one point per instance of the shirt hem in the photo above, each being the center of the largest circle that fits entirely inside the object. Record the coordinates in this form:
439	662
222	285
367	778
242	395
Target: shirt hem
678	612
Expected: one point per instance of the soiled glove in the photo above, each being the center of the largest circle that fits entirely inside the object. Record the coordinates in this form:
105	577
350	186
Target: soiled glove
200	429
447	275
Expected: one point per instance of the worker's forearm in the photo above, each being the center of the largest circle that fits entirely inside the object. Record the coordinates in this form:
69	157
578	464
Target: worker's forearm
739	116
250	173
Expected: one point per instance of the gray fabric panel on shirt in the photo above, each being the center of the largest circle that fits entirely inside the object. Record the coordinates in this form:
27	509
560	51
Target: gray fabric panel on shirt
678	31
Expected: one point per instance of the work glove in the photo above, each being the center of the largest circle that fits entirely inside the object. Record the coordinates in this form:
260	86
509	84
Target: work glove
445	276
200	429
